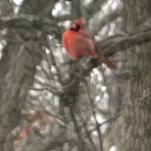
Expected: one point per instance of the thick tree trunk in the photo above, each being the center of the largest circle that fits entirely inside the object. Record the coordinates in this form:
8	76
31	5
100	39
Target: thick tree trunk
17	69
134	123
132	129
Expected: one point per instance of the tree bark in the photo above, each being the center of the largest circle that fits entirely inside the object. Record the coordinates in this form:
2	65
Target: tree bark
17	69
132	129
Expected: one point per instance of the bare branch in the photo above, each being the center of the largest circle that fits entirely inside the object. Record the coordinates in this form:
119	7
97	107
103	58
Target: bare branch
93	8
6	7
65	17
75	12
122	42
88	133
106	19
39	7
141	34
95	118
113	118
144	26
29	22
77	130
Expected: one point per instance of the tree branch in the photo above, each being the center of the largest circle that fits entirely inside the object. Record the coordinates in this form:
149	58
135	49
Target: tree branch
77	130
93	8
75	12
29	22
141	34
106	19
122	42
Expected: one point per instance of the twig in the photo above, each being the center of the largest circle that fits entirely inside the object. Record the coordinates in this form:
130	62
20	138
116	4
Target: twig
97	124
88	134
81	147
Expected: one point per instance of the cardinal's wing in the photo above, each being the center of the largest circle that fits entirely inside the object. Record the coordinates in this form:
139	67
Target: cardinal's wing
86	46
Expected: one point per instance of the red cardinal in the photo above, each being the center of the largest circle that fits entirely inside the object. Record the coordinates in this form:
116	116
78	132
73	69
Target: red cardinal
79	43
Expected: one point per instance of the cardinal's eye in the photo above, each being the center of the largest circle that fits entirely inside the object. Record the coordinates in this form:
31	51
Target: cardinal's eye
75	27
78	26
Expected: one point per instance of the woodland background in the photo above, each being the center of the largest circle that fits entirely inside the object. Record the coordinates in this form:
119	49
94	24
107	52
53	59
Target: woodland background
51	103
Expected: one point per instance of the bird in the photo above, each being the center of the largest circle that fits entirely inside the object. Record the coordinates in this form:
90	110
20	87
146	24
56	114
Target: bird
79	43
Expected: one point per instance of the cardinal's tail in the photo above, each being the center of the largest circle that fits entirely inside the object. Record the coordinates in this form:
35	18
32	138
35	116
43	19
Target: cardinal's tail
108	62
